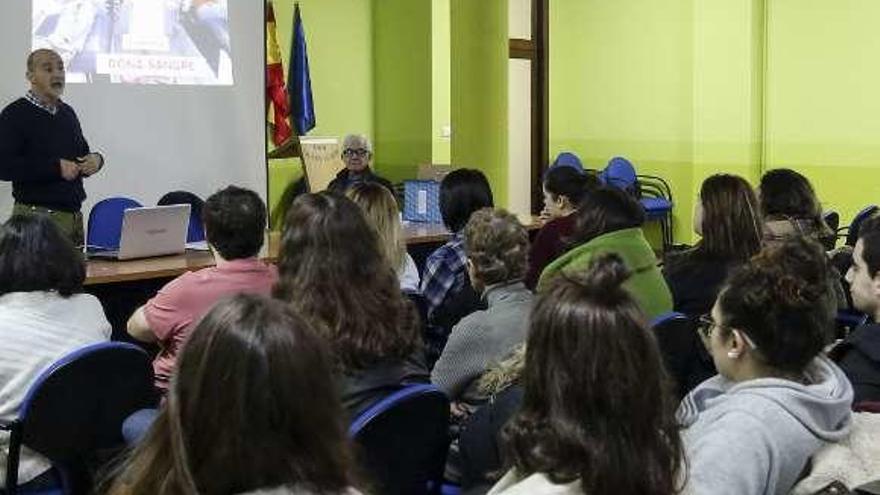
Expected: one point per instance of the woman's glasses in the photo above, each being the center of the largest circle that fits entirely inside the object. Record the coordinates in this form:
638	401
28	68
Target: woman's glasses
705	326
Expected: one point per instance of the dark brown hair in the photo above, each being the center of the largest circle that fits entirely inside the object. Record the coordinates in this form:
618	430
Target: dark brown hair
332	270
781	301
235	222
571	183
786	193
462	192
869	234
253	405
497	245
606	209
731	226
36	256
597	404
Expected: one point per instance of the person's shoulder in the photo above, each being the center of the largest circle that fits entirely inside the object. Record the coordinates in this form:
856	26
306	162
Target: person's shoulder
15	107
865	339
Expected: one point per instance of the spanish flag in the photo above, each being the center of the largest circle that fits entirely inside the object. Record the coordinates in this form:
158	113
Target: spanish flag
277	104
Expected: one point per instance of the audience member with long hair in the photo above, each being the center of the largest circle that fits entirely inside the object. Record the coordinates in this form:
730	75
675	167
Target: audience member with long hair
728	220
597	417
333	271
609	221
790	207
751	429
564	189
43	316
251	409
381	211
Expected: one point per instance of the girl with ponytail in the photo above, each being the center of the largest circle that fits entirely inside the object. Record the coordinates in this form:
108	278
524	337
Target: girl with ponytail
597	416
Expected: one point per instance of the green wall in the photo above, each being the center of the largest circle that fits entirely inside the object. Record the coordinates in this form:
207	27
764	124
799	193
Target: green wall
822	97
479	51
339	35
688	88
402	48
440	68
621	83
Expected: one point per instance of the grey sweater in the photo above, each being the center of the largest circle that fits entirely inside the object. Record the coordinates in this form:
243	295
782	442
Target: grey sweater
482	339
755	437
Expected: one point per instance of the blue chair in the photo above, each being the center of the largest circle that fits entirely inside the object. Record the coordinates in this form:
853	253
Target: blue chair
73	412
653	193
105	221
568	159
196	230
402	440
851	232
684	354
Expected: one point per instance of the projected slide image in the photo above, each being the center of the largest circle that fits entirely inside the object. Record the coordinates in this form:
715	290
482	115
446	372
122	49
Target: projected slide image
183	42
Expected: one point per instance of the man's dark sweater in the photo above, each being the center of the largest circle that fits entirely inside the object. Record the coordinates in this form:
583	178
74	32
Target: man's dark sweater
32	141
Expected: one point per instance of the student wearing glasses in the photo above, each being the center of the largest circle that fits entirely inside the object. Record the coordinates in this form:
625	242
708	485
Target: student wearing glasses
752	429
357	153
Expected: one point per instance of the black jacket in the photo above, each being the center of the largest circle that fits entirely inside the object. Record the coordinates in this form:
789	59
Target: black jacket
344	180
858	355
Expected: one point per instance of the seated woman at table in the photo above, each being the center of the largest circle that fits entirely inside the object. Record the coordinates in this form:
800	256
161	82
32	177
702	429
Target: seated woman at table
332	271
383	215
43	316
610	221
251	409
235	222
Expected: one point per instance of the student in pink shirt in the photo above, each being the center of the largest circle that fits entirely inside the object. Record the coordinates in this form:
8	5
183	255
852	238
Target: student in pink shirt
235	220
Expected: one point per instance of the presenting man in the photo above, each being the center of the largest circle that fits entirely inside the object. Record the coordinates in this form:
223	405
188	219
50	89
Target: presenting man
42	148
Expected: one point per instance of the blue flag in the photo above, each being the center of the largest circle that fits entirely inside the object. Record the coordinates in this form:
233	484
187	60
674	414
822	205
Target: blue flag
299	83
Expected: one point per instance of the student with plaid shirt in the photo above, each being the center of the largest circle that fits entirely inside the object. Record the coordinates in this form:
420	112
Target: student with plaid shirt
462	192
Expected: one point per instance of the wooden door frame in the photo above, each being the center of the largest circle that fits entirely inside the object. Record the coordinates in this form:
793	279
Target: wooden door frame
536	50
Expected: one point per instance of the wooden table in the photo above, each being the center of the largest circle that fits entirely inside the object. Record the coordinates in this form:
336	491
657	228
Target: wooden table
418	236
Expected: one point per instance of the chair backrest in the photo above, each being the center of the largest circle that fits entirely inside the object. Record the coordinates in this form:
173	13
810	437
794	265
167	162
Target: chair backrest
684	354
402	439
568	159
620	173
76	407
852	234
105	221
322	160
196	230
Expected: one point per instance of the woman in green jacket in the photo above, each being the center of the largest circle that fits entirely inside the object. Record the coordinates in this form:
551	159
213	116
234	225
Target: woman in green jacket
609	221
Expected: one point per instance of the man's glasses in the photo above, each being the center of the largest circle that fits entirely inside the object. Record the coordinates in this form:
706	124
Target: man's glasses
352	152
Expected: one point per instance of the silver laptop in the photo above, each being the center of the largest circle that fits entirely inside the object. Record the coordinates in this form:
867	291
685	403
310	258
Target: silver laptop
149	231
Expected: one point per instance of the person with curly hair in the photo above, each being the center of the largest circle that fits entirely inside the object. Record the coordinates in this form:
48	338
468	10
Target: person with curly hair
597	416
496	246
751	429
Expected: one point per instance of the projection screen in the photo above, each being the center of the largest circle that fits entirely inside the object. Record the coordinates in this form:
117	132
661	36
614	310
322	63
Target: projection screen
171	92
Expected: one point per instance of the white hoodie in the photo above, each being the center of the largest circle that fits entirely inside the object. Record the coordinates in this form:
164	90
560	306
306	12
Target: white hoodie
755	437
